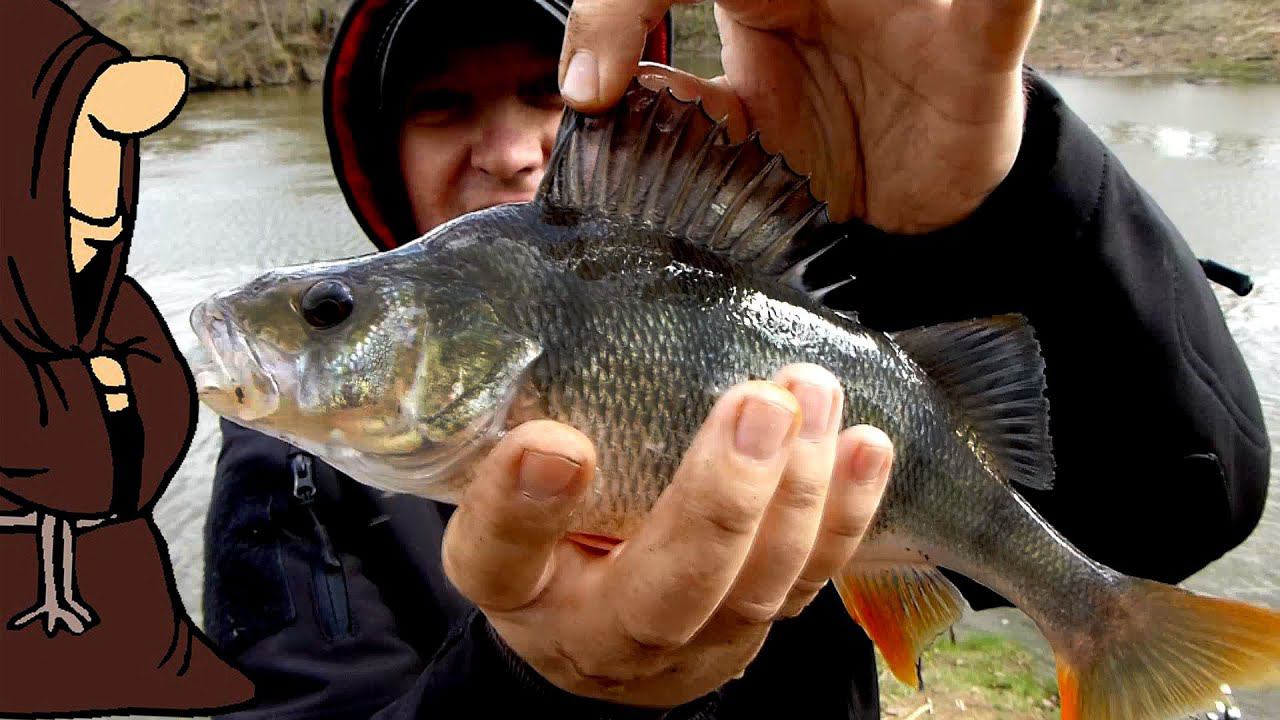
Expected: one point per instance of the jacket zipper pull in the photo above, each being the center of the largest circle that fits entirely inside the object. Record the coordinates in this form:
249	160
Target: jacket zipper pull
304	489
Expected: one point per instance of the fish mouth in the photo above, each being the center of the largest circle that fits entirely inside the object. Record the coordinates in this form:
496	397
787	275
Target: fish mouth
229	375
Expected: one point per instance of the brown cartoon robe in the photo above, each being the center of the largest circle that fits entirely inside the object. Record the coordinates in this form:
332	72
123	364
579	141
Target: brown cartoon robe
61	452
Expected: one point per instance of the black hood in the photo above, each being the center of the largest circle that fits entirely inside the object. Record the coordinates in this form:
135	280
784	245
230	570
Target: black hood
363	163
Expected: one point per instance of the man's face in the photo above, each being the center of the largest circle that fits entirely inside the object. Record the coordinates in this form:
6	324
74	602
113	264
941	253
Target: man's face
479	134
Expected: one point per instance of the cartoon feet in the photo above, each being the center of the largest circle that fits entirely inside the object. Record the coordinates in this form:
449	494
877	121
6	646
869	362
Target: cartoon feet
58	604
75	617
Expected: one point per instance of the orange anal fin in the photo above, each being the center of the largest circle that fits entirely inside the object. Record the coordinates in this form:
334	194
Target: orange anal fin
601	544
902	608
1068	691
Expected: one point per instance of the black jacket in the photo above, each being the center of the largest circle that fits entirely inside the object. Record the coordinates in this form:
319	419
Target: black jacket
338	606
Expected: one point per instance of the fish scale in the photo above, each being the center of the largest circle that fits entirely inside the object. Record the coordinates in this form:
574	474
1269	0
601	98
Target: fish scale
658	266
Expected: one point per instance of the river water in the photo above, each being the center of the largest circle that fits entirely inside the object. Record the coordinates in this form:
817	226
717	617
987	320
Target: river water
241	182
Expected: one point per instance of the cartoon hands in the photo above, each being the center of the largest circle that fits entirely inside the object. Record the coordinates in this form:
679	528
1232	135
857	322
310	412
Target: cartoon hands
110	375
128	100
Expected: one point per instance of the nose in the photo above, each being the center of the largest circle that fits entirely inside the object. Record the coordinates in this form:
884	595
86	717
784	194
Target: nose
511	145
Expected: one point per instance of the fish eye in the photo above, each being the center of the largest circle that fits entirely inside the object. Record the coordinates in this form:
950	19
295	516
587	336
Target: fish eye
326	304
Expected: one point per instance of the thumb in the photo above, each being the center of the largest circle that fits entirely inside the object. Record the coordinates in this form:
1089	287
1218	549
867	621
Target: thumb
603	41
498	548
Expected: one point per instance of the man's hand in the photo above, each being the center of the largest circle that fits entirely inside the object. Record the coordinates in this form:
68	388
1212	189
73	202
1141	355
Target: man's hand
907	113
770	501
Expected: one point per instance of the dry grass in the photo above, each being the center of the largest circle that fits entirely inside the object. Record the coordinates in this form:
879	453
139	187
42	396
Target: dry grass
1218	39
237	43
226	43
1224	39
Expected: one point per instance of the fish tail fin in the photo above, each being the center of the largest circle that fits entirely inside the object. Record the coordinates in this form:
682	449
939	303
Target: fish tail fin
1165	651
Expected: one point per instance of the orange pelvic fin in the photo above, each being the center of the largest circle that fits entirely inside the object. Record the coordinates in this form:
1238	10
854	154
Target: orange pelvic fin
902	608
602	543
1167	655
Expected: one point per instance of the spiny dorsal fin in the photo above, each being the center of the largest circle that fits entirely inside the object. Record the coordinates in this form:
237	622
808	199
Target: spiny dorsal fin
993	372
665	164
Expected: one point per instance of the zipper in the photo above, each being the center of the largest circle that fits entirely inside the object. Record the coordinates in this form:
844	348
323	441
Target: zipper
328	580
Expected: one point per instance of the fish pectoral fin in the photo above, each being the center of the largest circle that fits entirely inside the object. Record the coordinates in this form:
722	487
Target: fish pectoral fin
902	607
992	371
1168	654
470	372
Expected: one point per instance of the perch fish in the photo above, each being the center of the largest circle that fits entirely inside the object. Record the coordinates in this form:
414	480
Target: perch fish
658	265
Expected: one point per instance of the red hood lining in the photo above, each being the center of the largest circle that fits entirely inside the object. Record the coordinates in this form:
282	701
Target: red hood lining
349	69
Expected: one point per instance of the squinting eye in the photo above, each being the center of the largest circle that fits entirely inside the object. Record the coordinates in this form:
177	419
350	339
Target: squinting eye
544	93
326	304
434	106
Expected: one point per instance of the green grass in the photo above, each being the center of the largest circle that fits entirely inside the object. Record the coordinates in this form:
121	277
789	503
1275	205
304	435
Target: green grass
1247	70
695	30
979	676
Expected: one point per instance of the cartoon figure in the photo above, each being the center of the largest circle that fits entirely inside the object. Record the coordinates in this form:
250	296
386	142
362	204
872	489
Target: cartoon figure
97	409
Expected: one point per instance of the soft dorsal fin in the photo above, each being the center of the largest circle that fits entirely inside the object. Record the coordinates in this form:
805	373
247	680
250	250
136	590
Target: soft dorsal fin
993	372
666	165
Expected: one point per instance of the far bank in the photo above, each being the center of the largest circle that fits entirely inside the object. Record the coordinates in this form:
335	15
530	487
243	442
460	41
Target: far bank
1194	40
250	43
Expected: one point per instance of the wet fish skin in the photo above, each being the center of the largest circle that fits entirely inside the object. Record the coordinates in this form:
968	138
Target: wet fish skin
625	308
637	344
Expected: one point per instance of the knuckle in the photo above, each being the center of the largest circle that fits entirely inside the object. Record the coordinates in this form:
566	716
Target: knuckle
754	611
494	595
650	639
778	551
474	563
489	530
849	526
795	605
803	493
453	558
730	515
650	14
808	587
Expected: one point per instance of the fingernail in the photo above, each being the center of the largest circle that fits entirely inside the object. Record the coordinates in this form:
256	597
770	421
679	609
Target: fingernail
815	409
582	78
871	462
762	428
652	81
544	476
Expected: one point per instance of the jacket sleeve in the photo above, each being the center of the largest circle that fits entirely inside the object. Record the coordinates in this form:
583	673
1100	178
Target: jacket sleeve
1162	461
271	602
